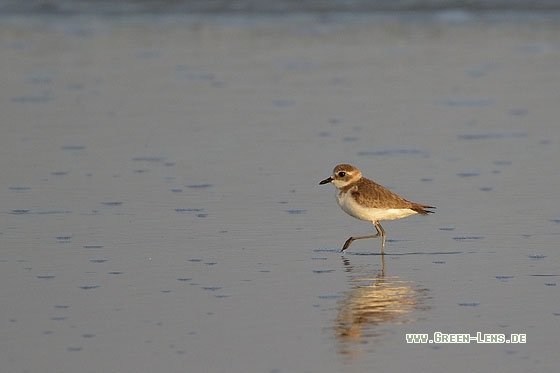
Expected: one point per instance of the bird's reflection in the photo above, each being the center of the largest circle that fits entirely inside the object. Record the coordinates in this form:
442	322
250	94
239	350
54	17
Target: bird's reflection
375	302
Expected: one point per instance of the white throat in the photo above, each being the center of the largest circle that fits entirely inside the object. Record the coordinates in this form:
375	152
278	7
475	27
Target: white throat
340	183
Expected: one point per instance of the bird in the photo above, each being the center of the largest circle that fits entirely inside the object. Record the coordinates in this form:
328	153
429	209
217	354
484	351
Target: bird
366	200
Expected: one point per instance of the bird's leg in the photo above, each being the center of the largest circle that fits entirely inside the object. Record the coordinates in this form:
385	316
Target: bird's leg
383	235
380	232
352	239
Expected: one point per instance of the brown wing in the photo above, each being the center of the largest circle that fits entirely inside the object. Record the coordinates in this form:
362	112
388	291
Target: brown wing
377	196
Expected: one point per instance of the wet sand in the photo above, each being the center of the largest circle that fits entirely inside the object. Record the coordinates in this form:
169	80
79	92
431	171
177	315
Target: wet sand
161	208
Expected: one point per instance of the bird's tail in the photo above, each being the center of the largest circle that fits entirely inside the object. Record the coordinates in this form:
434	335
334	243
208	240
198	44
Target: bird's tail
421	209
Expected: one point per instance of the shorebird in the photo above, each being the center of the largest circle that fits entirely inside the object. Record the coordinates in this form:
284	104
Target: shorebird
364	199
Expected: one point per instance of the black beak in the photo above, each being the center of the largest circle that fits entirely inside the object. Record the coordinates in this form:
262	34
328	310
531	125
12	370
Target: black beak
326	181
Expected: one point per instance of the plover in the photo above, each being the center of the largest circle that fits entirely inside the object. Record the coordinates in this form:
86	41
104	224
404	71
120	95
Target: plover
366	200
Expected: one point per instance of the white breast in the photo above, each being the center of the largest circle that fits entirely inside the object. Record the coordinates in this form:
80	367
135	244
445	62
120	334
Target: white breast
353	208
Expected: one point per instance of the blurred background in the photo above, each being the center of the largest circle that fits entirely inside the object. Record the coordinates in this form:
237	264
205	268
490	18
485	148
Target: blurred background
267	6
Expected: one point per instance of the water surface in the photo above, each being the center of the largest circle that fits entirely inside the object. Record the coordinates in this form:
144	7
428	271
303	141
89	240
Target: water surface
160	208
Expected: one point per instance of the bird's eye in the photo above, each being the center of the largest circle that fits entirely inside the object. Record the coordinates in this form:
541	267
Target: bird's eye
341	174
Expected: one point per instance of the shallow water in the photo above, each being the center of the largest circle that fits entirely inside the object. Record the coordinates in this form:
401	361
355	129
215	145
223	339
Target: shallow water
160	207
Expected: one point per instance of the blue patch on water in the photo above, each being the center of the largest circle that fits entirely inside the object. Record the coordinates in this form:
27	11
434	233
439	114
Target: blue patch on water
19	188
45	277
468	304
326	250
52	212
89	287
468	174
193	76
502	163
323	270
330	296
98	260
188	209
112	203
462	238
391	152
504	277
296	212
211	288
199	186
466	102
518	112
482	70
284	103
148	53
157	158
490	135
20	212
33	99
